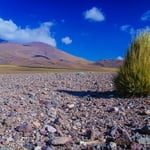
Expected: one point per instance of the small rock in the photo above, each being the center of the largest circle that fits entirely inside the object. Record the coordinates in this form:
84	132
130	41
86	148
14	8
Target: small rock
38	148
143	140
54	103
42	101
70	106
31	95
61	140
115	109
50	129
24	128
120	136
147	112
29	145
10	139
19	109
52	113
145	129
112	145
136	146
8	122
80	73
43	132
36	124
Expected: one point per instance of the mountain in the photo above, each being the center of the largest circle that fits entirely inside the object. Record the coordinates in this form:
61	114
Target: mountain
111	63
39	54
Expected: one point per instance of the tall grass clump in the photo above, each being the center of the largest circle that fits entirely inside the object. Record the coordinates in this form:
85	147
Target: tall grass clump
133	78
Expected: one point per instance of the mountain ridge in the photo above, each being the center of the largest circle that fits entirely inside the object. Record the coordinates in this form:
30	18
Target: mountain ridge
39	54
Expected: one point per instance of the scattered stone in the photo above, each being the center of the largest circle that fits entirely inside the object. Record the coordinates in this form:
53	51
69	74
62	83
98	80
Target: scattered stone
45	102
115	109
145	129
52	113
112	146
31	95
54	103
29	145
24	128
61	140
70	106
38	148
145	140
50	129
92	143
120	136
39	111
37	124
136	146
19	109
147	112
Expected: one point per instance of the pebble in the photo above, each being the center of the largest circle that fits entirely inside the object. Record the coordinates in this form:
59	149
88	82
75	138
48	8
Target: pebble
136	146
112	145
147	112
61	140
38	148
120	136
29	145
145	129
115	109
50	128
24	128
70	106
37	124
143	140
54	103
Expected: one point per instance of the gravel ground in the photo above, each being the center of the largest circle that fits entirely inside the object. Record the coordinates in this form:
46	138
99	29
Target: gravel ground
70	111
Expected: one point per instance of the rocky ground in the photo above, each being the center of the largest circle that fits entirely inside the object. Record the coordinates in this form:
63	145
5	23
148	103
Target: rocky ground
70	111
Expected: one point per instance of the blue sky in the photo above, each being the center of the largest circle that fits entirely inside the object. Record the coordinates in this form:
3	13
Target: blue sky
91	29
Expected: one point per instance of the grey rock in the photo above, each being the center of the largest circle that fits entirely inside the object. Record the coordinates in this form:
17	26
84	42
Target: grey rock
145	140
50	128
61	140
29	145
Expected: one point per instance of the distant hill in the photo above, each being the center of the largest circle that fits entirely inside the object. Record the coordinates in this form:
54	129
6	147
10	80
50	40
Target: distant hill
39	54
112	63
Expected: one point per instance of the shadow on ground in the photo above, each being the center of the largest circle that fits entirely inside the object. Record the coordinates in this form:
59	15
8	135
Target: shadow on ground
94	94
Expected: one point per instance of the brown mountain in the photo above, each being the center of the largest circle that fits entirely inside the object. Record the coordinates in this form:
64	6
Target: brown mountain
39	54
112	63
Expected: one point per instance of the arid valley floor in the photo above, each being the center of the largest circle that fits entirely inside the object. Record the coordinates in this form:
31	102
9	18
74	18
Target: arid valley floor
70	111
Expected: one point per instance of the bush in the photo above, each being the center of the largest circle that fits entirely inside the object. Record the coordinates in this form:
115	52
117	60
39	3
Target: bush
133	78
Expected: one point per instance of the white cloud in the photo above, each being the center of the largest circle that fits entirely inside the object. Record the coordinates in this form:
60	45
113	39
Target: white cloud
146	16
66	40
128	28
120	58
125	27
94	14
11	32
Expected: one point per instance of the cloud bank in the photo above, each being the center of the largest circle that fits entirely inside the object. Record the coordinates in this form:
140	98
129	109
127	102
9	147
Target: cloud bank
66	40
11	32
146	16
94	14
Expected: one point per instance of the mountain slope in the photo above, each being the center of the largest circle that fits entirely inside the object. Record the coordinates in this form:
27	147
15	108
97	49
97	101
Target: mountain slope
38	54
112	63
